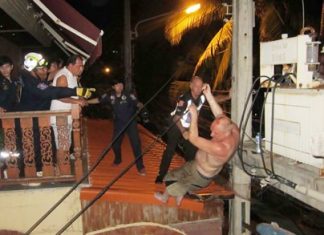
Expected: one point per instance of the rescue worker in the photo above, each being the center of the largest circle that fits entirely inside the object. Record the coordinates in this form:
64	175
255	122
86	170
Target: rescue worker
36	94
124	106
179	131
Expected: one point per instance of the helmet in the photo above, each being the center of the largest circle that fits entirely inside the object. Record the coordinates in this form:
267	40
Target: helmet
34	60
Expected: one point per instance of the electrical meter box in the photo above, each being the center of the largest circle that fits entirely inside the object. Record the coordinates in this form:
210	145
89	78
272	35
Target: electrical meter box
298	125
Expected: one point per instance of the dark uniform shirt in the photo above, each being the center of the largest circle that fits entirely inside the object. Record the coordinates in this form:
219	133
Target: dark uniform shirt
124	107
184	101
37	95
8	94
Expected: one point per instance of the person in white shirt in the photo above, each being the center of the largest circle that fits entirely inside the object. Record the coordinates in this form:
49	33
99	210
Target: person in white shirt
67	77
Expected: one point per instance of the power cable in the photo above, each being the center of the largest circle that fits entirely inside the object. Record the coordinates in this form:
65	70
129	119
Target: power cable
116	178
99	159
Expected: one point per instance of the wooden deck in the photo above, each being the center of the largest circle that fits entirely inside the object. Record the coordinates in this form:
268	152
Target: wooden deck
133	188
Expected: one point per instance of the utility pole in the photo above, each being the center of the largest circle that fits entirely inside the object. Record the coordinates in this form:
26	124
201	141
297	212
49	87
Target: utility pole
242	57
127	46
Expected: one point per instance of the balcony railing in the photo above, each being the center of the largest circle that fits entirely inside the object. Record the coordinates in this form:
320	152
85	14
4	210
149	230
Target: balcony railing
29	153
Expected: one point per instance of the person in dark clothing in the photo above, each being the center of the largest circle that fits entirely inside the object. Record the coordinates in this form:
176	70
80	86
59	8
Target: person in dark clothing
37	94
180	121
124	106
9	87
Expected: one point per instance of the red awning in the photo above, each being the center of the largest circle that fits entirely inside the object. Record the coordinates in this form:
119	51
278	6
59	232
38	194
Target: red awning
72	32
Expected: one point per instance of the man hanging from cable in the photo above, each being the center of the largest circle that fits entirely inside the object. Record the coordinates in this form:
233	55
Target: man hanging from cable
212	153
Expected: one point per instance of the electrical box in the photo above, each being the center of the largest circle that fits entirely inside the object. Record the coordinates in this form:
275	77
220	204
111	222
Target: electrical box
298	125
299	54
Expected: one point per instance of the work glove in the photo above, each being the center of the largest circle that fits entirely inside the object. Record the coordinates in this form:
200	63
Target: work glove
85	92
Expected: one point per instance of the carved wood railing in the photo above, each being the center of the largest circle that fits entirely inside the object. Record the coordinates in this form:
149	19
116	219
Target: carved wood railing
30	154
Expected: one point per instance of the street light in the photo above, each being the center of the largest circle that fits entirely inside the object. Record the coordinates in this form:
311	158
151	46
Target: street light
131	35
106	70
189	10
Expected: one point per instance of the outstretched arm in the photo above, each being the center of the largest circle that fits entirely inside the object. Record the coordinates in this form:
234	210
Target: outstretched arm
214	106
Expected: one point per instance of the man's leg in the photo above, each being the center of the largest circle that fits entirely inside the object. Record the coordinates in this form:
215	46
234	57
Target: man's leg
132	133
117	143
174	136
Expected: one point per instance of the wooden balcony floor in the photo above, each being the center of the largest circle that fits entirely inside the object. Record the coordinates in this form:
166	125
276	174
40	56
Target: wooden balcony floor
132	187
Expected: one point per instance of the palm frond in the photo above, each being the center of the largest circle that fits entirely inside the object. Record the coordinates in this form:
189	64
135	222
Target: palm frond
181	23
221	41
223	66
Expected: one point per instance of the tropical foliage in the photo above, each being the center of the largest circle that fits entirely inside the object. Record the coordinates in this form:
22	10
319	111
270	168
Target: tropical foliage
272	16
219	46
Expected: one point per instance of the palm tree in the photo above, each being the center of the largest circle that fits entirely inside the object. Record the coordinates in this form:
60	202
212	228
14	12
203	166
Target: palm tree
274	18
219	47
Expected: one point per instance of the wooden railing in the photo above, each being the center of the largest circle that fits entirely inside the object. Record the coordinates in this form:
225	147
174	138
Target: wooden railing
28	139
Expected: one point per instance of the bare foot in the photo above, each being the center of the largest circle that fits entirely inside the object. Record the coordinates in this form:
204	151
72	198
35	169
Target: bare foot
179	200
161	197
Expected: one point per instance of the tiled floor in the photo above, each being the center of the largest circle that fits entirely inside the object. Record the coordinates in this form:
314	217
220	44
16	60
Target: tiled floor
132	187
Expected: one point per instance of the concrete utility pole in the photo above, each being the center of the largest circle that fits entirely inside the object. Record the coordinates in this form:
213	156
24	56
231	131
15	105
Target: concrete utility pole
242	57
127	46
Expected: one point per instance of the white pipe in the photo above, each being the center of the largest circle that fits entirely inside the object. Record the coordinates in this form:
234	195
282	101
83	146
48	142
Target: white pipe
77	49
62	48
310	192
68	46
62	24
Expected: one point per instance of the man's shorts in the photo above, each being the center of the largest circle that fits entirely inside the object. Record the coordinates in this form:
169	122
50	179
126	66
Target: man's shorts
185	179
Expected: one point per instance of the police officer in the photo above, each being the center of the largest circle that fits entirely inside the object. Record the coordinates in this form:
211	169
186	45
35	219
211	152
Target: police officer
180	121
37	95
9	87
124	106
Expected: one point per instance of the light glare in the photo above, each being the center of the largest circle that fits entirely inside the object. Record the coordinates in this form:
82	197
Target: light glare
193	8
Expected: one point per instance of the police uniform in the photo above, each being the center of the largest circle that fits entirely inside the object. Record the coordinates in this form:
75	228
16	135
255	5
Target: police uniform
37	95
175	135
9	92
124	107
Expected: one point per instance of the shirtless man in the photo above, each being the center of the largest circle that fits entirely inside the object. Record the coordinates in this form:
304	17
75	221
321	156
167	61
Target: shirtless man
211	155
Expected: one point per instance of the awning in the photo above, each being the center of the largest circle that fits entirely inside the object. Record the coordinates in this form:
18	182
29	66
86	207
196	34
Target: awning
55	21
71	31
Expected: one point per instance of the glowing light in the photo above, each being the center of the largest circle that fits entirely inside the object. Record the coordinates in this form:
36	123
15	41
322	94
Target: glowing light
193	8
107	70
4	154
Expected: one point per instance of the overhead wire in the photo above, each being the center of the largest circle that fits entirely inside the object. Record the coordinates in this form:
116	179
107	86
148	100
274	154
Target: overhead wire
93	167
99	159
116	178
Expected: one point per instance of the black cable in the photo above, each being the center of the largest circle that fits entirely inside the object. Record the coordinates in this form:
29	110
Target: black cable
108	186
242	129
115	179
271	172
100	158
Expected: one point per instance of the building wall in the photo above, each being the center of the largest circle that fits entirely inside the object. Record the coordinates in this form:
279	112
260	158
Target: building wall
20	209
